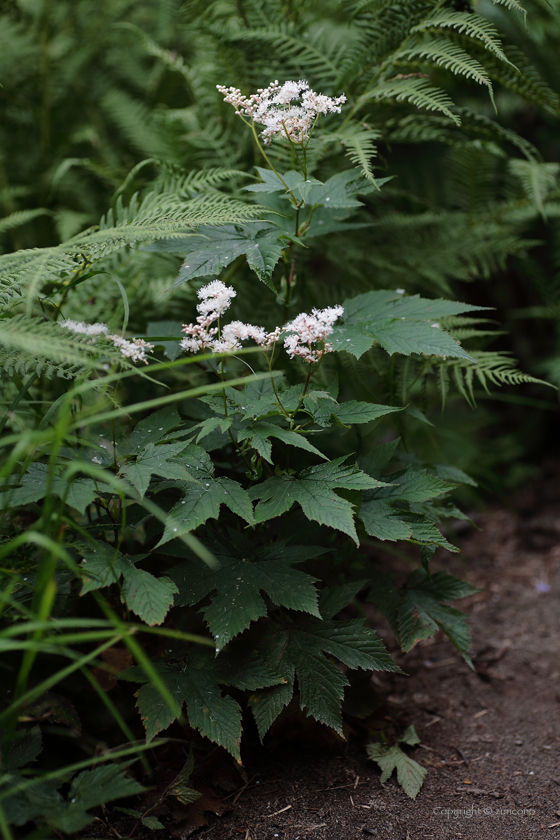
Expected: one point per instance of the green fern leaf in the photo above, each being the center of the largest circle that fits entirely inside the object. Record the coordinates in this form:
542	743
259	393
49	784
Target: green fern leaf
447	55
473	26
358	141
538	180
417	91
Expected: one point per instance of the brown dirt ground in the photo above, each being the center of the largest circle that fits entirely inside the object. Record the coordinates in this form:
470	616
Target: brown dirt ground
490	740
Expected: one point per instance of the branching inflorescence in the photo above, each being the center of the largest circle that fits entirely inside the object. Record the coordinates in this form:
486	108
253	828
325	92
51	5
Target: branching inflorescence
305	332
289	110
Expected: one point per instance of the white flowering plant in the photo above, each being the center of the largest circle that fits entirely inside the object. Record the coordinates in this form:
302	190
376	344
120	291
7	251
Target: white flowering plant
224	473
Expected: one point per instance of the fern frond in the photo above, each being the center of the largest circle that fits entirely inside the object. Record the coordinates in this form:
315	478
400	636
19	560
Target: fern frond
358	141
495	368
21	217
514	5
537	179
417	91
30	269
471	25
296	53
137	123
521	77
32	345
170	59
175	179
446	55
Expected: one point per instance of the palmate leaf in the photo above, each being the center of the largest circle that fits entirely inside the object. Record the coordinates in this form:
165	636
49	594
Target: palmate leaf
328	412
386	521
159	460
296	648
244	571
89	789
291	180
259	434
150	598
153	429
417	611
79	493
313	489
201	501
196	683
213	248
410	774
24	747
399	324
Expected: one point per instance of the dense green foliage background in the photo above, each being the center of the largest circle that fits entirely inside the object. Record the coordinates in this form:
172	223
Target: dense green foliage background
444	177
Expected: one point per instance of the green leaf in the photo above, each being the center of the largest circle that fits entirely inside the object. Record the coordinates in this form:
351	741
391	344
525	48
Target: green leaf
24	747
412	486
375	461
424	531
399	324
259	434
272	183
159	460
267	704
78	492
409	736
149	597
201	501
333	599
210	425
179	787
89	789
152	429
214	248
327	411
381	520
195	683
299	648
410	774
101	567
417	611
451	473
337	192
417	91
154	824
313	489
244	571
41	800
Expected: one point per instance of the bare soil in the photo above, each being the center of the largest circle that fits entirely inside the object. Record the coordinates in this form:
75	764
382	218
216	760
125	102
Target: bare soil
490	739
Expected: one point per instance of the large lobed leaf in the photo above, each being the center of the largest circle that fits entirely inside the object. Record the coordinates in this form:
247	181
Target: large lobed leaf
399	324
314	489
244	571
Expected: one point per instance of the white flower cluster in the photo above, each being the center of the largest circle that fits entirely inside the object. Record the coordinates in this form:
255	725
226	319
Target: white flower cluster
135	349
305	330
289	110
83	328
